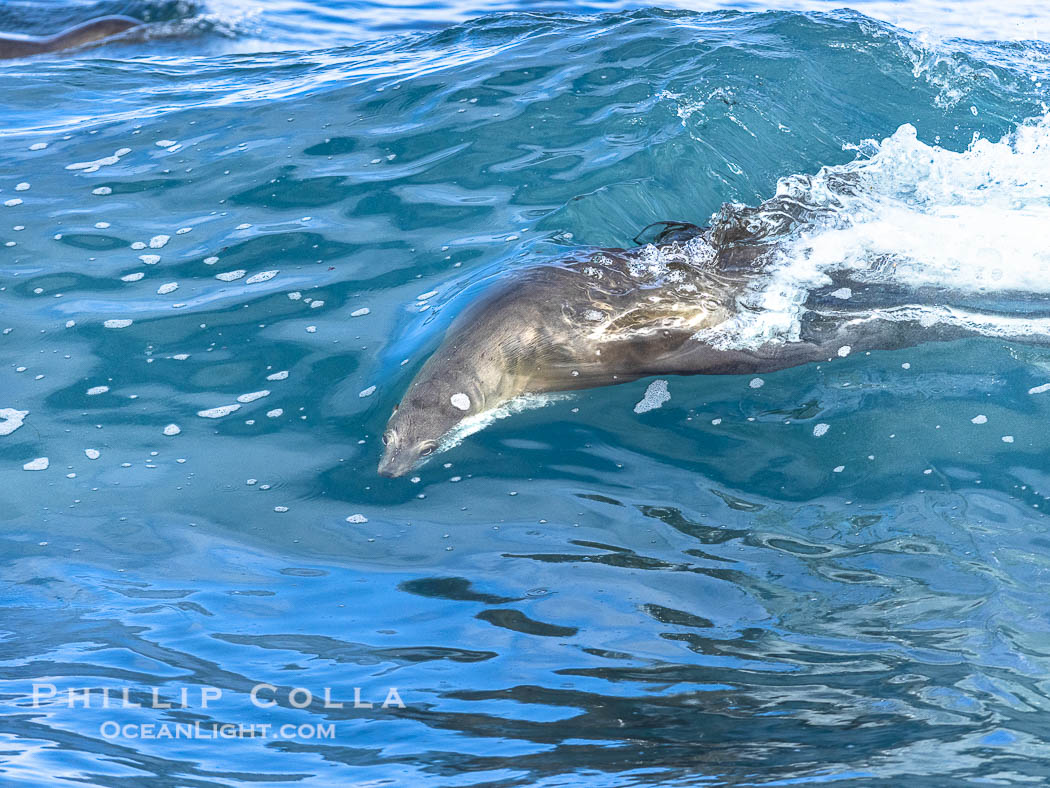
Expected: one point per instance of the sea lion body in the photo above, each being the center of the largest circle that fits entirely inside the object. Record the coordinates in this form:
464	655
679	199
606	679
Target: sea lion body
86	33
609	316
598	318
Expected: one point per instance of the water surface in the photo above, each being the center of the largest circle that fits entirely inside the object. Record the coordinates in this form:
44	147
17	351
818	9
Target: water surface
720	591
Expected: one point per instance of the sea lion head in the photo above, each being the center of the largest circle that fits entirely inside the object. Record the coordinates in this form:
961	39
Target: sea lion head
489	357
441	397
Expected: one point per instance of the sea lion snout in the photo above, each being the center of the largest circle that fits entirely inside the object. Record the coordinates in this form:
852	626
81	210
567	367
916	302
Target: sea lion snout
395	464
391	468
401	456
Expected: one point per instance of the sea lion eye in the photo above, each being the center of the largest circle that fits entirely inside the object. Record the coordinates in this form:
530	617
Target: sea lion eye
427	450
387	437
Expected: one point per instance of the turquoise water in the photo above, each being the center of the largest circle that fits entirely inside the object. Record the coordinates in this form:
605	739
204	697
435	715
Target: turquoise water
836	576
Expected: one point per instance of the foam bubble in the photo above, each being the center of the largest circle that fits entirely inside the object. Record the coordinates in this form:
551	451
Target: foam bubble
655	396
219	412
12	420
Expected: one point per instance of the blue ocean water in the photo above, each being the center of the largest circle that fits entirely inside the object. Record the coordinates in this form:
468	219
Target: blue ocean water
229	239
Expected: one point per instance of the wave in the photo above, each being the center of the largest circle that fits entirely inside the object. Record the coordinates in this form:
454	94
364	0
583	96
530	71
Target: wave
227	55
649	115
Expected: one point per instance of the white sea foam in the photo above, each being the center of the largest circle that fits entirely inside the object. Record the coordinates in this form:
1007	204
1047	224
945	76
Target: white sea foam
12	419
219	412
913	215
655	396
265	276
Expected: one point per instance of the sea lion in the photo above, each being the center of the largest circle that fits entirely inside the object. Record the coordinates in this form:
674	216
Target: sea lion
12	46
609	316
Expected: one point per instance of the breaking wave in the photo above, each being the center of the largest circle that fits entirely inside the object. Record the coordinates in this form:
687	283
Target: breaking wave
955	227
